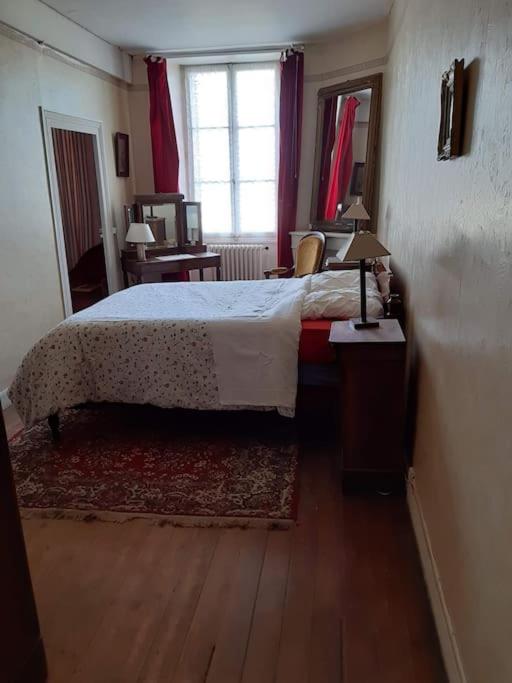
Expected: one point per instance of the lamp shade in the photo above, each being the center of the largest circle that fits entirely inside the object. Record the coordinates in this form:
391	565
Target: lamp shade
363	244
140	233
357	212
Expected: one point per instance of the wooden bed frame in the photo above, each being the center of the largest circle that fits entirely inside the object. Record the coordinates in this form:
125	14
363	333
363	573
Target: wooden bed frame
393	308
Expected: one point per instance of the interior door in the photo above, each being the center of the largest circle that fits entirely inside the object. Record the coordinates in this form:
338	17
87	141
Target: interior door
22	657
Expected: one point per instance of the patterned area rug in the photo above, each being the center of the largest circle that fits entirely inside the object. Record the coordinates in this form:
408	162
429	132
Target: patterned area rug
192	469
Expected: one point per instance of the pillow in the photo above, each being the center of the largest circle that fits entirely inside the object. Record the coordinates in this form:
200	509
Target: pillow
339	279
335	294
384	280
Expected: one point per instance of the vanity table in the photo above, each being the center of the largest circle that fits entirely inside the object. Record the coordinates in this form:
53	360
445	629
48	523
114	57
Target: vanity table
178	248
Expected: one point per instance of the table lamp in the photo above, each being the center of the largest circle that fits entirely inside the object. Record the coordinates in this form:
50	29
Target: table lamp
356	212
140	234
362	245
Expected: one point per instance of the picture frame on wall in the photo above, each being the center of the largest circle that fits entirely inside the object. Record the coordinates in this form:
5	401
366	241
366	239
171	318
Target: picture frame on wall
122	154
450	124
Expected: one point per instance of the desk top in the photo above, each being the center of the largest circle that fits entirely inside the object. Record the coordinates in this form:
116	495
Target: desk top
171	263
182	257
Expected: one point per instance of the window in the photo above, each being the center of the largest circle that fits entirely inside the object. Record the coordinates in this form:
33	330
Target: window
232	122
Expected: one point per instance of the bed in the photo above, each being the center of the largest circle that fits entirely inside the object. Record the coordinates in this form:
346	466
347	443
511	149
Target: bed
203	346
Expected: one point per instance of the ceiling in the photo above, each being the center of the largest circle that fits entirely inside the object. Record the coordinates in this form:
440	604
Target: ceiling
145	25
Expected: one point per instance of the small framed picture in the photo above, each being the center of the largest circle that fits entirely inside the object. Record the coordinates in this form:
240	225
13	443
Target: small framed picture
122	151
450	124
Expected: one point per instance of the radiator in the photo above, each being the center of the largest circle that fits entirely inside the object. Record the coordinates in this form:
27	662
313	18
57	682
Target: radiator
241	261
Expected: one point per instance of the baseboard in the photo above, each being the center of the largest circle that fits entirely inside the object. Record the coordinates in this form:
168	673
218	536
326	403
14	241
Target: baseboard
4	399
444	626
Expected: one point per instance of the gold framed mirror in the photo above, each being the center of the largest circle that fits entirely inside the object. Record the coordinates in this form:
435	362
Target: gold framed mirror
347	138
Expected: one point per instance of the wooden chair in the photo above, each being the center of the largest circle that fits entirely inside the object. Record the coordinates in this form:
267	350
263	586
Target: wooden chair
309	257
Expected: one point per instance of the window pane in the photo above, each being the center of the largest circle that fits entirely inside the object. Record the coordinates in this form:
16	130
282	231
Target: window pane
215	201
257	153
257	206
256	97
208	93
211	154
234	184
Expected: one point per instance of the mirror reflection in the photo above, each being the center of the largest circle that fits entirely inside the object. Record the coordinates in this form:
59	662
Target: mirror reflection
192	222
343	146
161	218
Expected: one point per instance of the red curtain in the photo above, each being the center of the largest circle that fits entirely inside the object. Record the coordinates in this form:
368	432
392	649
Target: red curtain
328	138
290	129
163	135
78	192
341	168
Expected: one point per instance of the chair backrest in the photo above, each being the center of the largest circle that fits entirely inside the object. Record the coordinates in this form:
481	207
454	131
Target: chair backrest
309	254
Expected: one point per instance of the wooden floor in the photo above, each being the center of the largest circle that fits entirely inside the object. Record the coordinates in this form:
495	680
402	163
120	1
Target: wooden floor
339	597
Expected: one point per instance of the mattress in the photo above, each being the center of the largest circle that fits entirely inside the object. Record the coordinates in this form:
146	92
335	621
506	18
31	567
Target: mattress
314	344
194	345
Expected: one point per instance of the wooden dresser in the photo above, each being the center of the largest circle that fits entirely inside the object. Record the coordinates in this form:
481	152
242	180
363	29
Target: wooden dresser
22	658
371	367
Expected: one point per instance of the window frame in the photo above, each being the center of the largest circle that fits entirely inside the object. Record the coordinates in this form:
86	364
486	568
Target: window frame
235	235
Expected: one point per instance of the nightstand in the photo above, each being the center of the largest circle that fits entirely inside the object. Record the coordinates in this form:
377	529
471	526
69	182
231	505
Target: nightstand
371	371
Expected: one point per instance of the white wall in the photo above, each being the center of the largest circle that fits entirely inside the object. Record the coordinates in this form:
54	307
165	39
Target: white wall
138	98
449	227
30	296
43	23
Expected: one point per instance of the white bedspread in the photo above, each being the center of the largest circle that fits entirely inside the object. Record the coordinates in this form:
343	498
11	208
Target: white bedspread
191	345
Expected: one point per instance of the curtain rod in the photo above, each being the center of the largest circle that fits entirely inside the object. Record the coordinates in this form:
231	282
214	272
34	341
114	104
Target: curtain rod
221	51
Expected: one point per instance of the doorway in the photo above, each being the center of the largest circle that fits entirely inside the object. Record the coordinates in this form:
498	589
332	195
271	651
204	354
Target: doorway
74	149
81	218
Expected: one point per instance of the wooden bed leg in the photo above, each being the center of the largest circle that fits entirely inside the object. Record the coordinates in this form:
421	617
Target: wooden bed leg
53	423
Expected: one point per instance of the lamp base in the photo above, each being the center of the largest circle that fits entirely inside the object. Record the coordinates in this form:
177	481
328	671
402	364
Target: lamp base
141	252
358	324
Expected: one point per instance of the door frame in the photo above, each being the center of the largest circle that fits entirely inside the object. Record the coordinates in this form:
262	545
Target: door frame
51	120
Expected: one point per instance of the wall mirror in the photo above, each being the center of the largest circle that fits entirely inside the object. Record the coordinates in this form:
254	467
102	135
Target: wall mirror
175	224
347	136
161	218
192	223
163	213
